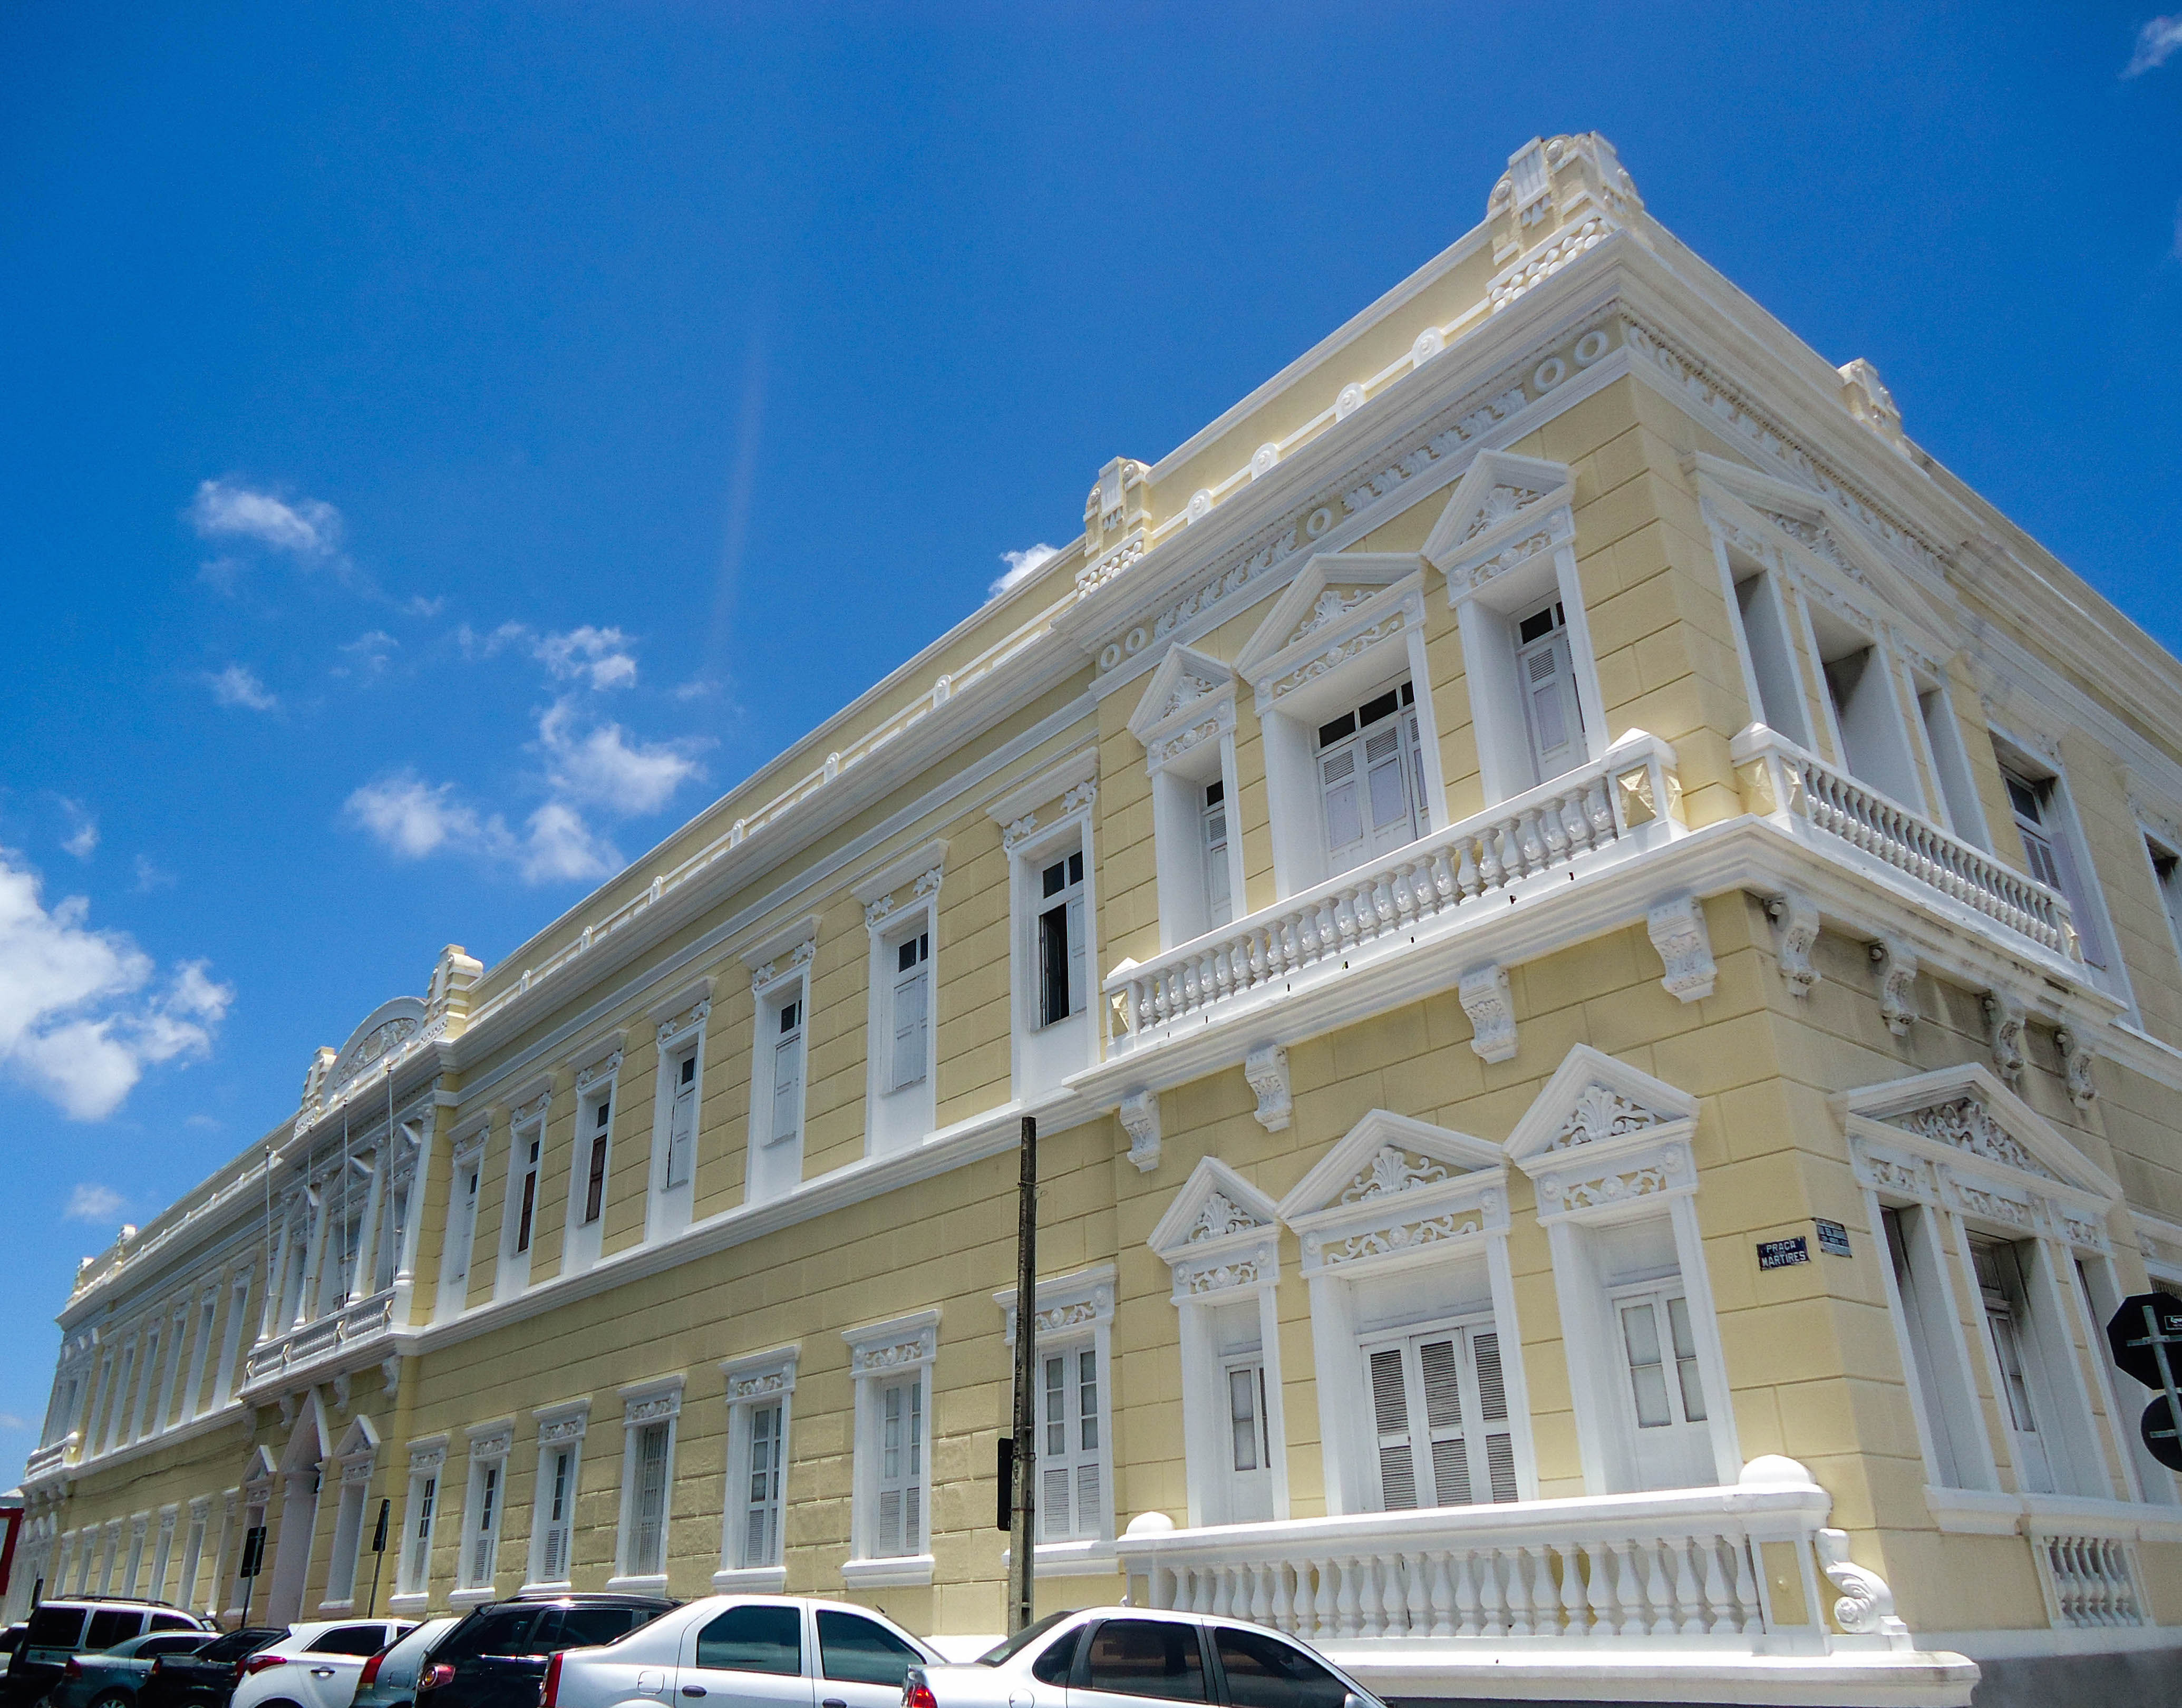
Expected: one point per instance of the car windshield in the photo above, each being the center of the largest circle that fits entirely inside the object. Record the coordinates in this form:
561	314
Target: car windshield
1022	1639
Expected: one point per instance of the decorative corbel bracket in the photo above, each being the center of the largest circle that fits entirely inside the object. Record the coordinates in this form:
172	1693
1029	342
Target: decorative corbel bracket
2076	1060
1267	1068
1677	929
1491	1006
2008	1019
1140	1120
1897	983
1795	919
1866	1607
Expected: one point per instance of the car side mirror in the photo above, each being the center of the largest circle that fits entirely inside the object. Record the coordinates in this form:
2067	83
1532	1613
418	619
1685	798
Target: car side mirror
1352	1700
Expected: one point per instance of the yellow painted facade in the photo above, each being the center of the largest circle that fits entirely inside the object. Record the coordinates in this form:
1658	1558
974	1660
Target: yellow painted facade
1648	1010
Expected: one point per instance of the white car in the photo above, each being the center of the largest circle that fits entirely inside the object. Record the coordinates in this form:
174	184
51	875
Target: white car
745	1651
1129	1657
316	1665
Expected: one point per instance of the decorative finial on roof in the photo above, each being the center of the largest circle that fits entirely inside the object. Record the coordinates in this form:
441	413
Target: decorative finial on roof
1867	399
1117	518
1557	199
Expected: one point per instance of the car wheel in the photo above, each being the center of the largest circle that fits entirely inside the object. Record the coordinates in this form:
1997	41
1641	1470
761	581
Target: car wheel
114	1699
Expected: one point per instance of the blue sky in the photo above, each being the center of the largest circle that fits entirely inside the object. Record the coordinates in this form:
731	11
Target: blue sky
443	446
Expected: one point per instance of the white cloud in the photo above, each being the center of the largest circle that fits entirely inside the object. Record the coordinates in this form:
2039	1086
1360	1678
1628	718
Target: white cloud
238	685
93	1203
2155	43
8	1420
600	654
600	769
412	819
561	846
368	654
150	877
82	840
78	1021
419	606
308	527
1022	566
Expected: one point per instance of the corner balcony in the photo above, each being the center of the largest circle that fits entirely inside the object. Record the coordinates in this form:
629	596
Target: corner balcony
324	1340
1803	794
1596	815
1722	1589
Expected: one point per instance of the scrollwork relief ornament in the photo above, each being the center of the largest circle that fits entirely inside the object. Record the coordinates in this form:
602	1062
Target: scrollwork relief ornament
1967	1124
1140	1119
2008	1019
1676	927
1219	1216
1491	1006
1392	1169
1866	1606
1795	919
587	1077
1897	983
2076	1060
1266	1069
1602	1112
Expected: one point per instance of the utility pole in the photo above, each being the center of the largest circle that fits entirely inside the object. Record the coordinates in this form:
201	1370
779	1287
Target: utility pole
1022	1504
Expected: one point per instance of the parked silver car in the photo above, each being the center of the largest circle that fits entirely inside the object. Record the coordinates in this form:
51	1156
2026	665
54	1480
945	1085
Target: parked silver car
389	1679
1126	1657
745	1651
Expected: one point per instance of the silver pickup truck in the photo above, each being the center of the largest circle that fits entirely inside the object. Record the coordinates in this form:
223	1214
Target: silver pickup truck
1132	1657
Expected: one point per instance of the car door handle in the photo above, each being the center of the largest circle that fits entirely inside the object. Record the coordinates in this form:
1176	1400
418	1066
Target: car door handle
322	1672
693	1689
833	1702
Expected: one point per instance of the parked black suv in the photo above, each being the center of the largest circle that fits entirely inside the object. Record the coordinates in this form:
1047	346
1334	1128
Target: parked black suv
207	1679
496	1657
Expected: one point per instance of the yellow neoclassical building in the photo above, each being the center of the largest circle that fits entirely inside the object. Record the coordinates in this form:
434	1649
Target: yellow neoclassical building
1594	940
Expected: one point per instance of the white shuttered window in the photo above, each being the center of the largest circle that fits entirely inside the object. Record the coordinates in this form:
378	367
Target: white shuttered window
484	1528
1072	1453
1440	1410
786	1070
1545	676
912	1010
761	1527
901	1468
682	1122
1371	778
647	1532
557	1512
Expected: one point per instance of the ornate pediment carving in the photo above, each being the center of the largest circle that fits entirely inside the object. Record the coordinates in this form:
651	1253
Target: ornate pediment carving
1967	1124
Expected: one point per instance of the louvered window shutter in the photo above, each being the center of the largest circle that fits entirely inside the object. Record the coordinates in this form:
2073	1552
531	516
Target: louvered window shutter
912	991
1219	902
1550	711
787	1073
1079	996
1413	741
1450	1449
1390	1408
682	1122
554	1565
901	1468
762	1519
1492	1408
1386	774
1071	1461
1344	817
648	1537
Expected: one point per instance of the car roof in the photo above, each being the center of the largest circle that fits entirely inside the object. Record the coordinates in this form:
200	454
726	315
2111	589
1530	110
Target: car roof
580	1598
94	1601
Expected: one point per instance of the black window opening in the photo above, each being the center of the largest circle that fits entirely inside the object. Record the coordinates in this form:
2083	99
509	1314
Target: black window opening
1060	944
595	1190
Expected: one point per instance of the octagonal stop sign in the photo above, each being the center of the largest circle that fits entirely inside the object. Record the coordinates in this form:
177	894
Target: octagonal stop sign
2144	1325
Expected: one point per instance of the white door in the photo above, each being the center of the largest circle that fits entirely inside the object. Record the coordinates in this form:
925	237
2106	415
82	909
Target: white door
1999	1283
748	1656
1545	678
1249	1460
1673	1443
1439	1410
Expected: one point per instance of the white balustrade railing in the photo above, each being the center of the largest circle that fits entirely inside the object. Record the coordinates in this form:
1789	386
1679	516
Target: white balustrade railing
1780	777
2092	1580
357	1320
1560	823
1683	1564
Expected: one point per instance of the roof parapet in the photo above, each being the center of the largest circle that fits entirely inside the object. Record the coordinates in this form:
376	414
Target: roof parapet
1557	199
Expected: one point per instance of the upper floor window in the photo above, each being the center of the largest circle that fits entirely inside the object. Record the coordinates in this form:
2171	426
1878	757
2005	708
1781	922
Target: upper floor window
681	1119
785	1077
1441	1408
1768	654
909	1010
2043	822
461	1231
1371	778
779	1057
527	1215
1062	979
1072	1453
596	1152
1553	716
1212	823
2167	874
676	1121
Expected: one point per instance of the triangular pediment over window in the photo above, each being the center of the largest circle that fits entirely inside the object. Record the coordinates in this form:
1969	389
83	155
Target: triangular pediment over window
1500	499
1595	1099
1340	603
1967	1111
1386	1155
1215	1206
359	1440
1190	695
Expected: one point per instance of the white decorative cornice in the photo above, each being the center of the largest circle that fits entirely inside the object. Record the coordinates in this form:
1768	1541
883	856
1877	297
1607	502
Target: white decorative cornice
923	866
1139	1116
1218	1232
605	1067
1266	1070
1505	510
1066	1304
760	1376
565	1421
490	1441
901	1343
1048	783
1374	597
764	977
652	1401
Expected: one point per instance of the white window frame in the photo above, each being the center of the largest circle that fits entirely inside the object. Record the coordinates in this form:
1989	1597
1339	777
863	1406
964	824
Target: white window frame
2041	765
880	1355
1186	721
193	1541
1044	1053
465	1205
901	899
2012	1180
526	1172
2161	843
489	1447
559	1430
756	1383
1219	1237
1950	1417
1075	1315
139	1530
352	1464
1610	1145
1767	626
1506	544
1378	637
645	1405
155	1371
162	1550
178	1329
598	1085
681	1027
1355	1214
420	1515
775	1165
238	1305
